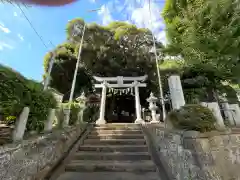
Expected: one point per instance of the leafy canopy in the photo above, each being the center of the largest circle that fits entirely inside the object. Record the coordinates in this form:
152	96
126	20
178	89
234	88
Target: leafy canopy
118	49
205	31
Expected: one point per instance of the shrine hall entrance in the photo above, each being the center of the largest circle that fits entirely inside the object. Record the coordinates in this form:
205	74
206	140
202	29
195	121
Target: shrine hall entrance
120	108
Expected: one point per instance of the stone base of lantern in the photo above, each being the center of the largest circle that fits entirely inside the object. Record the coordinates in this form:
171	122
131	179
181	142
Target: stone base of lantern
154	122
101	121
139	121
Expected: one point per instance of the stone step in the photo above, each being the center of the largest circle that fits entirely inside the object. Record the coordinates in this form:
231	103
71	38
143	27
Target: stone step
235	130
118	156
5	134
108	175
118	125
118	128
116	148
118	131
115	142
110	166
116	136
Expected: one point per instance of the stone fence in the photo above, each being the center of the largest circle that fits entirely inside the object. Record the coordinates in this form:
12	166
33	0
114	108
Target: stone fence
61	116
189	155
31	156
33	159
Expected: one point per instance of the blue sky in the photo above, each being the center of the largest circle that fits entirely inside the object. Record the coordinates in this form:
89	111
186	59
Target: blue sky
21	49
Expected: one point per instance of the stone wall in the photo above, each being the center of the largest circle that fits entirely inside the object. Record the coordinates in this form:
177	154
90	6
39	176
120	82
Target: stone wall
33	158
190	155
224	150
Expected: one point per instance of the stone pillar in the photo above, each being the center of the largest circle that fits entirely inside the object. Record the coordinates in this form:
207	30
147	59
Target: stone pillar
101	119
214	107
66	112
20	125
138	105
176	92
49	123
228	113
236	109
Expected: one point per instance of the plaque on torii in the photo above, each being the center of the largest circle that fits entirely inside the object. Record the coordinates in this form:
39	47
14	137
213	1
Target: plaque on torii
118	82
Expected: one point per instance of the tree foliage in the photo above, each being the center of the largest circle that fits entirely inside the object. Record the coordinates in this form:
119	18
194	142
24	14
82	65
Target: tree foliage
119	49
17	92
200	82
205	31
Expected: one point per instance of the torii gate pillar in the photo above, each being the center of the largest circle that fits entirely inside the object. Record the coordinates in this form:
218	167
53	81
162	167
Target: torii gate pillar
101	119
139	119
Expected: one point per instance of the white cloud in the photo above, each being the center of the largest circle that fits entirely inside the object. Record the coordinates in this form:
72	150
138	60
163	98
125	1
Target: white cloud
105	15
20	37
15	14
4	29
161	36
137	12
4	45
150	18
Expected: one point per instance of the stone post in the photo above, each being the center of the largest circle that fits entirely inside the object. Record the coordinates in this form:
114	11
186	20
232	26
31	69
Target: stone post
101	119
137	105
228	112
20	125
236	109
176	92
214	107
66	118
49	123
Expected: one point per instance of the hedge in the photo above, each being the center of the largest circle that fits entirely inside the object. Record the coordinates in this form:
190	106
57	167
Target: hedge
193	117
17	92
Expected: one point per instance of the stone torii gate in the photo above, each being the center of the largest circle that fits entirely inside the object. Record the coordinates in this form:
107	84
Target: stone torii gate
108	82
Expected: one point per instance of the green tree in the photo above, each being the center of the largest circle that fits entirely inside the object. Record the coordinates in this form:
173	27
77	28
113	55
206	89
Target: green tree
119	49
205	31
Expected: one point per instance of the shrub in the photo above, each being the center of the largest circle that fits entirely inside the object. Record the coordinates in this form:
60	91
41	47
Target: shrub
16	92
193	117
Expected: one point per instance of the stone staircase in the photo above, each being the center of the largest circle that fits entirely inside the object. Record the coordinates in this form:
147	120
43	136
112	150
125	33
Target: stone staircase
113	152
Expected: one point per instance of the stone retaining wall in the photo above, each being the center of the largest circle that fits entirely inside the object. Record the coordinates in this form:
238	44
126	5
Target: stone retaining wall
190	155
32	159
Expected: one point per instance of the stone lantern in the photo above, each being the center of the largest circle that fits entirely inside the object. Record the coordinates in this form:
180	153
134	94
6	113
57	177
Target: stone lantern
153	107
82	105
